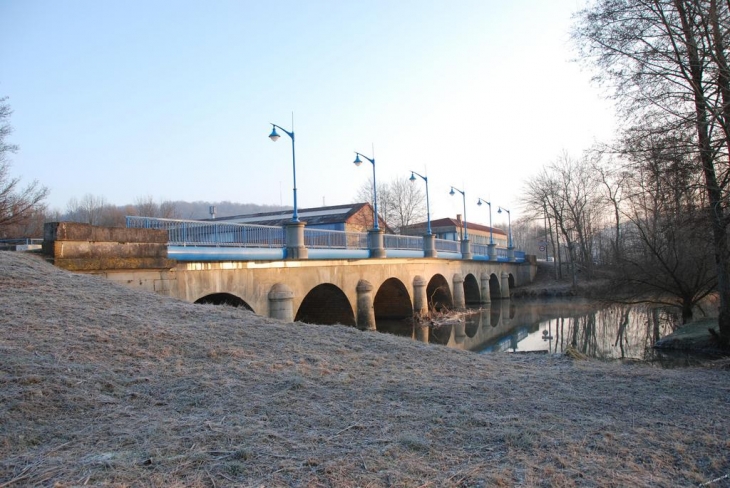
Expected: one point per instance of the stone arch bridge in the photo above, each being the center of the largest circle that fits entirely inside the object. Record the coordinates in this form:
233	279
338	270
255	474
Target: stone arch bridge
358	292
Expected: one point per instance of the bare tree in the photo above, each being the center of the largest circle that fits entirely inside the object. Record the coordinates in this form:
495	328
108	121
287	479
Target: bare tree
18	205
666	61
94	210
566	194
400	203
666	256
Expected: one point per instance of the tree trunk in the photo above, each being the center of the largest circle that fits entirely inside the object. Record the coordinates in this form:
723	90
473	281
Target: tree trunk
714	192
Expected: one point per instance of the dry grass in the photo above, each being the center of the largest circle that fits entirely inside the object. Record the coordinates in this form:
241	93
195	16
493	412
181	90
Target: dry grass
107	386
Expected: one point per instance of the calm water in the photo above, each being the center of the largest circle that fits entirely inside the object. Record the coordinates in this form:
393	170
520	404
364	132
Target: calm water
597	330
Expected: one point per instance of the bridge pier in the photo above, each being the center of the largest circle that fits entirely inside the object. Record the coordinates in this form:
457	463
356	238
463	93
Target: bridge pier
365	311
458	287
420	302
281	300
505	285
486	297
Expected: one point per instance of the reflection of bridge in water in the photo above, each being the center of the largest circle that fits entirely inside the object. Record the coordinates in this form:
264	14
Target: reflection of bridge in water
497	327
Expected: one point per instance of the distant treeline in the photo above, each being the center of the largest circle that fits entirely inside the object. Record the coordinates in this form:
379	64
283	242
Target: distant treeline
94	210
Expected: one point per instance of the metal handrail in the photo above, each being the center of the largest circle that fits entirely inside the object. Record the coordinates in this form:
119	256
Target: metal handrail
220	234
201	233
446	245
395	241
334	239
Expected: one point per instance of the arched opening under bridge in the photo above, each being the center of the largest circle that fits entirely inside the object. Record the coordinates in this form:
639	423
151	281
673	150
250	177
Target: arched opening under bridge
393	308
326	304
439	295
495	290
472	296
224	299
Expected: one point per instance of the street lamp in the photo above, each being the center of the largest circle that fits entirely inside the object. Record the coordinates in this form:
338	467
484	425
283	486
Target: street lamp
428	208
509	224
479	202
274	136
466	230
358	162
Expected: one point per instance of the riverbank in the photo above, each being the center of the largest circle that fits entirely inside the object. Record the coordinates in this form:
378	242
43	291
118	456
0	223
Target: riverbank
694	336
104	385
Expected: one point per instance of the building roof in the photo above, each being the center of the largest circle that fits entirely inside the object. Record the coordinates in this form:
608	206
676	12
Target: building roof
334	214
449	223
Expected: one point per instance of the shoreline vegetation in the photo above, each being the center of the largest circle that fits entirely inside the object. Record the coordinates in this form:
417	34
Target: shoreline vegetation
109	386
694	336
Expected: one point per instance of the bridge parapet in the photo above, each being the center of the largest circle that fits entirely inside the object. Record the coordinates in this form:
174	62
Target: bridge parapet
82	247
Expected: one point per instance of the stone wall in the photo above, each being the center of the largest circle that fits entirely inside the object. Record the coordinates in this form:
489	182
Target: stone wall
83	247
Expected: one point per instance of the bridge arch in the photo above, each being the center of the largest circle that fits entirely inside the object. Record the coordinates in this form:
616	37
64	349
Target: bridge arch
438	294
393	308
472	296
224	299
495	287
326	304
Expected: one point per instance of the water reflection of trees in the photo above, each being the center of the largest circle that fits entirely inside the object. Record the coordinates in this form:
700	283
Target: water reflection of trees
619	331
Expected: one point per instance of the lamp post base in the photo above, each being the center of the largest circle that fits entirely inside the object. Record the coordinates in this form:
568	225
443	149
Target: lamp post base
375	243
295	248
466	249
429	246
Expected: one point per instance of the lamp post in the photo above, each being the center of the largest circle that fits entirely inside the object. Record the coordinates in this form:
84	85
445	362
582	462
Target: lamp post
479	202
463	195
510	247
274	136
358	162
428	207
509	224
465	245
375	244
491	247
429	244
295	248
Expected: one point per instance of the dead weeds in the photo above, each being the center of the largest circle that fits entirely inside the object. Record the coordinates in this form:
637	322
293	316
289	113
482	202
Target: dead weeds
108	386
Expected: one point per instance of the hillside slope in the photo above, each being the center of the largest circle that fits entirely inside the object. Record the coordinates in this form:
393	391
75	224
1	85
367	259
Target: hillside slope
104	385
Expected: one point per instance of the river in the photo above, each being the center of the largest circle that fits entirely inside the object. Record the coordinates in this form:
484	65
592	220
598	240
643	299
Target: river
551	325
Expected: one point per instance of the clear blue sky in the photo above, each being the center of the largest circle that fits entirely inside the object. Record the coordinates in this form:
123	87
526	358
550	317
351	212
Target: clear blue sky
173	99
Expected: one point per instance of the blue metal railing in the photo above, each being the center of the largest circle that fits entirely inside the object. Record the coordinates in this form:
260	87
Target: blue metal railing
395	241
334	239
445	245
194	233
198	233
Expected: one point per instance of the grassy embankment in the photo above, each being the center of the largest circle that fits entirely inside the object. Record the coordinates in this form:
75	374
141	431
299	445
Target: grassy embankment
103	385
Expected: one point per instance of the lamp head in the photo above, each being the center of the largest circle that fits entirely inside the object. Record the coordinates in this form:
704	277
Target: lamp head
452	193
479	202
412	178
274	136
499	210
357	161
